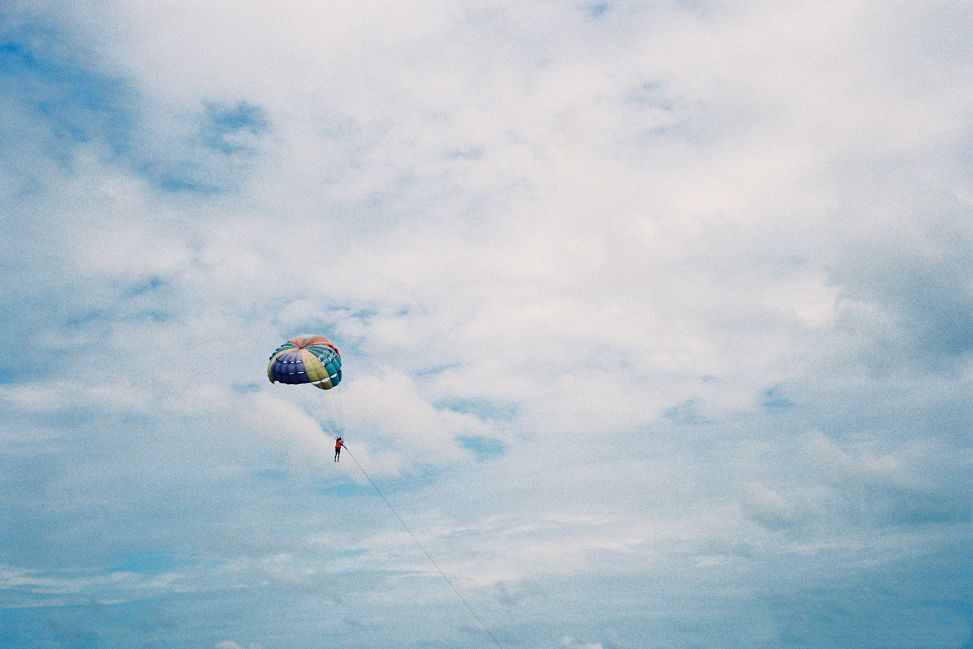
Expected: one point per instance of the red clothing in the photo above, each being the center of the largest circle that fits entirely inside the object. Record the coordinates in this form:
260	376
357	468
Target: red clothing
337	445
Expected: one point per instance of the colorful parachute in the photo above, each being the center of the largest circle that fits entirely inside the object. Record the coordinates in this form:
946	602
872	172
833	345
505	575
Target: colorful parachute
306	359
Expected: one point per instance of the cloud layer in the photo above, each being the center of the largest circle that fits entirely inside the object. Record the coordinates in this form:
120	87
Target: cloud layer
656	320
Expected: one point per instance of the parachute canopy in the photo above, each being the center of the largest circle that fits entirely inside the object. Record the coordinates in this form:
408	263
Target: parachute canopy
306	359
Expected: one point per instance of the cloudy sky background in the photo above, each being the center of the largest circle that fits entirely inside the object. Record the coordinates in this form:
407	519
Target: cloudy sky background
657	321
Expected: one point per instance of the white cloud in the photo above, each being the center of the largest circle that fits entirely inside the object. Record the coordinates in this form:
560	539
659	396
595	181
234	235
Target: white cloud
229	644
568	641
640	248
63	394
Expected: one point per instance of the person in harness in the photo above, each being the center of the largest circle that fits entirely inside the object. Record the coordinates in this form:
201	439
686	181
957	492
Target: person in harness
338	443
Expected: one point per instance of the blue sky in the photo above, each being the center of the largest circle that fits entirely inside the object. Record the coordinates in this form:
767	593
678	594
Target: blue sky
656	320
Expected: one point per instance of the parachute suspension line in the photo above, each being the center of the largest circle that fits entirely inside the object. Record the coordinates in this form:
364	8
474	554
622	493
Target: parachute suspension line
328	409
424	551
338	406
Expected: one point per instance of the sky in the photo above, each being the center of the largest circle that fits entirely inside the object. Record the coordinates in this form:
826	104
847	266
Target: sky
656	321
